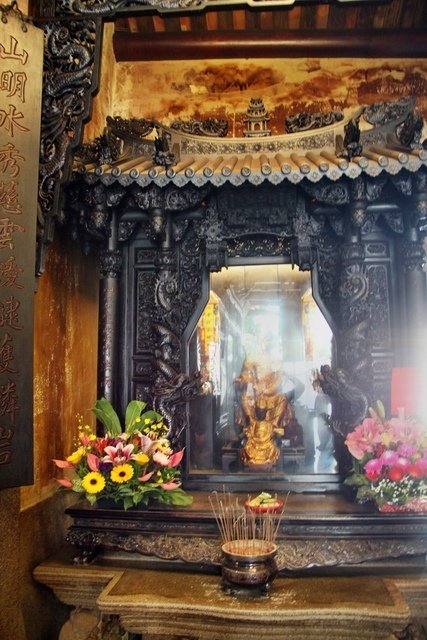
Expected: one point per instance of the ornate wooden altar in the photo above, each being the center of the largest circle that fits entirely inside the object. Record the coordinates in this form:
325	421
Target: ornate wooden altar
342	199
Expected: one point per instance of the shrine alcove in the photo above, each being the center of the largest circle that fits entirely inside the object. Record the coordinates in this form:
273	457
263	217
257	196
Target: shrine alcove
180	207
216	254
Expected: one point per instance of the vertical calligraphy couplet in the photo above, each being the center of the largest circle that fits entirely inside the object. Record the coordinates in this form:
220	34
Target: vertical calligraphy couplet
21	81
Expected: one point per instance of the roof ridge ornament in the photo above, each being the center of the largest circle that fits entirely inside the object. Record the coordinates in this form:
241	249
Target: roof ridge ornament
383	137
305	121
163	156
256	119
210	127
351	146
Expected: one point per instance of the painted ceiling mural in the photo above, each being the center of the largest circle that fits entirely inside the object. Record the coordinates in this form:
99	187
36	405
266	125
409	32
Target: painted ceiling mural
188	90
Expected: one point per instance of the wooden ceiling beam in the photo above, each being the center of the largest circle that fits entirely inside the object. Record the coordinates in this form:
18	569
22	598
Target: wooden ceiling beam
369	43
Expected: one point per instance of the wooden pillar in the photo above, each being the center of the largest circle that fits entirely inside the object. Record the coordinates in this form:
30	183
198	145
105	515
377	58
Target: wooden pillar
353	343
110	269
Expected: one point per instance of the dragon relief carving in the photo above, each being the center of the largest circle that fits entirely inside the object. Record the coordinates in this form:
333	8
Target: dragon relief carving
306	121
209	127
105	149
350	404
351	145
174	293
70	54
105	7
354	337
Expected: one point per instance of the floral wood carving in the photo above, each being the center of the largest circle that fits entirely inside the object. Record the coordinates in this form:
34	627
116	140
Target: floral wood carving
293	555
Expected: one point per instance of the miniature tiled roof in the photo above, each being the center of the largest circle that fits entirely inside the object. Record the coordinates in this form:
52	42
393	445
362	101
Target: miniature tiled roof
382	138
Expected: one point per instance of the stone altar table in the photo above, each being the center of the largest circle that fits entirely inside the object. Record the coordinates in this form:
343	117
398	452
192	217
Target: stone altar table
167	604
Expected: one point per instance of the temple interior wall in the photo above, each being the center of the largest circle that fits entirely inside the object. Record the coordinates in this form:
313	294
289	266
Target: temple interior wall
33	524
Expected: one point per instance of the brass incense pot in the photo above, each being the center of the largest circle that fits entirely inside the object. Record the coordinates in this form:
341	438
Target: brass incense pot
248	564
248	542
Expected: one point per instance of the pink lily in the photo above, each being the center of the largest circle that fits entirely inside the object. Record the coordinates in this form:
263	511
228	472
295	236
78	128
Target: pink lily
364	438
146	476
175	458
168	486
161	458
63	464
64	482
118	454
145	443
93	461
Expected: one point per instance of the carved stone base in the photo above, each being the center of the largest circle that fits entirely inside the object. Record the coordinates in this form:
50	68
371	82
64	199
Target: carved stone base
170	604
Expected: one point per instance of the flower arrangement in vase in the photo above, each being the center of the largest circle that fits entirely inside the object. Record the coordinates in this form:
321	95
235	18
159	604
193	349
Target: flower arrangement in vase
131	466
390	462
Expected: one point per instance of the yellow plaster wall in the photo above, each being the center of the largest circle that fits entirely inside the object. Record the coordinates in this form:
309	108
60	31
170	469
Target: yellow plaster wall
104	101
65	358
33	523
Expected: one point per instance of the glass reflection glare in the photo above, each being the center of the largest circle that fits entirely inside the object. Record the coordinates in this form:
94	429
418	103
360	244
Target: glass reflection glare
257	345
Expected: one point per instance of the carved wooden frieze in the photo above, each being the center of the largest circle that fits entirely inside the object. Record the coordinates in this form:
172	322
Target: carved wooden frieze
292	555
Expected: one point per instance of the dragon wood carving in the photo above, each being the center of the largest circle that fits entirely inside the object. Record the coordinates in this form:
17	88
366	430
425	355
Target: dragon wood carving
70	55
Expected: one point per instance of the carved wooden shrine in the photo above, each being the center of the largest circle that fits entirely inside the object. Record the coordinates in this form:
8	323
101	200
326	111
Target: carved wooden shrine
345	200
165	207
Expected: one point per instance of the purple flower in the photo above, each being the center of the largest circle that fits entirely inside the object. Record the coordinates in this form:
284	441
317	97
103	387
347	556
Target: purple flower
403	463
373	469
389	458
407	450
105	467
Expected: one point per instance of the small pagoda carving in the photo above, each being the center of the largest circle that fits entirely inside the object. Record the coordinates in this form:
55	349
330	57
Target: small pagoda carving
256	119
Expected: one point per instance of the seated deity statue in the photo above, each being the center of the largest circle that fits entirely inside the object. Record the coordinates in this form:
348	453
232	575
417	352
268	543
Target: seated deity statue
263	415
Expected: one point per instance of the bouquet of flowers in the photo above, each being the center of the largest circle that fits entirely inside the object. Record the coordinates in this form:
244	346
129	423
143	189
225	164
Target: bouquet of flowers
390	462
131	466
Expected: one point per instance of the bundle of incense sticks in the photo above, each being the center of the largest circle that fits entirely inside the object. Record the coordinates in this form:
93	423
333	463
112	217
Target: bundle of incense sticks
246	529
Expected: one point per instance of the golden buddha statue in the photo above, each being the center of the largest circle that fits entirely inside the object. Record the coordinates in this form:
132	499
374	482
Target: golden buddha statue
265	412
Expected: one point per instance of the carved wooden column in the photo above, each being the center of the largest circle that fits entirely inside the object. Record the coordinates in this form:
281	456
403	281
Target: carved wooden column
354	322
110	269
71	67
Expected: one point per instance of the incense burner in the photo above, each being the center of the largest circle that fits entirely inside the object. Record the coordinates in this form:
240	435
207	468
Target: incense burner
249	565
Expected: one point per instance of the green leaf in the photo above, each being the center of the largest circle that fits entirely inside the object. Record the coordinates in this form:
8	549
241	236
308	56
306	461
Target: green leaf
357	480
152	415
177	497
379	408
365	492
127	503
133	411
109	418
